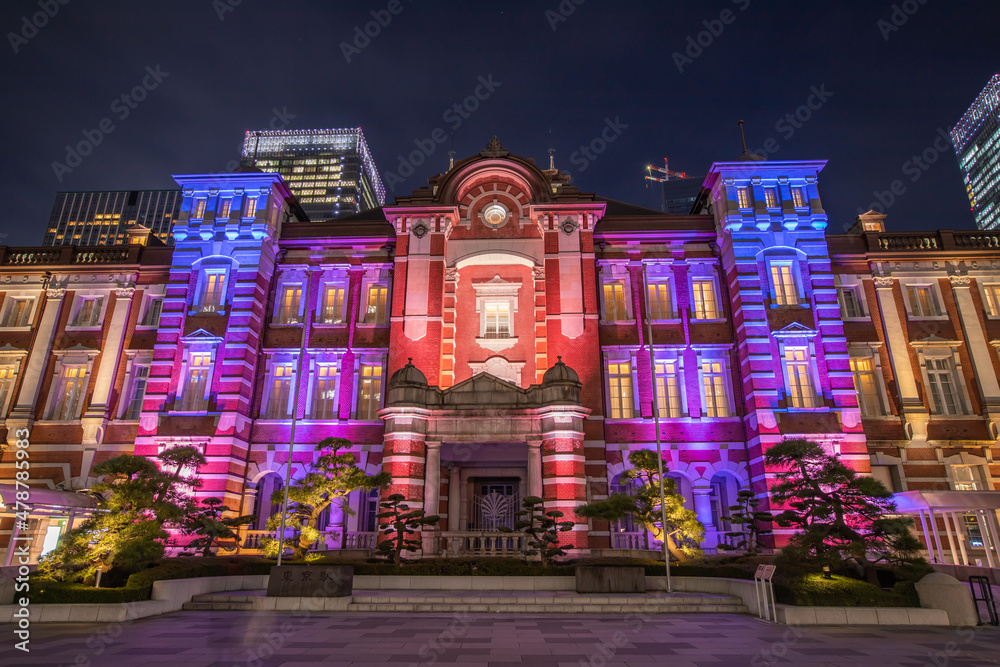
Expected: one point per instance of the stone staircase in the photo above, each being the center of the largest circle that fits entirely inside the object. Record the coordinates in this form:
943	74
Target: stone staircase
521	602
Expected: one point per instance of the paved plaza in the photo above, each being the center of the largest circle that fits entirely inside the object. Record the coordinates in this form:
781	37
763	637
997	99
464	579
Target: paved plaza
266	639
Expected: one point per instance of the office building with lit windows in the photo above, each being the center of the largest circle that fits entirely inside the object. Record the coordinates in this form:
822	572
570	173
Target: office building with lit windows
330	172
501	334
104	218
977	145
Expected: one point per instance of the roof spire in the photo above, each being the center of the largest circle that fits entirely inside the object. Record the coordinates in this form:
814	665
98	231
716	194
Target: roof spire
552	152
743	137
451	153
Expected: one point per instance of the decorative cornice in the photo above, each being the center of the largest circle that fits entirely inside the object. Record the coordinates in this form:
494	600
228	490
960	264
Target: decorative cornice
55	293
960	281
124	292
883	282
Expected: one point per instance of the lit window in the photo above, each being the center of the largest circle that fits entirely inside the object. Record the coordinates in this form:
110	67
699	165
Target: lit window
497	320
620	389
743	196
799	198
198	208
966	478
375	312
668	389
288	304
705	307
370	394
992	293
18	312
151	317
922	301
193	398
945	394
325	392
801	393
614	302
7	376
68	395
225	207
280	390
786	292
660	306
850	305
137	390
714	395
866	384
771	197
249	207
333	305
211	291
88	314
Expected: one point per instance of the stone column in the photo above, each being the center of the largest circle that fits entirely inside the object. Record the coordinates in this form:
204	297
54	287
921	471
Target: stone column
979	350
22	414
454	498
564	482
703	508
535	468
914	413
432	495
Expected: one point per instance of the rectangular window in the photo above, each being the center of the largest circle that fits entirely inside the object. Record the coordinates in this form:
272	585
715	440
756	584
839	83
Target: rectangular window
867	386
288	305
660	305
198	207
801	393
151	318
325	392
922	301
193	398
614	302
714	395
850	305
497	320
799	198
333	305
771	197
620	386
945	393
7	377
137	390
370	391
88	314
249	207
69	393
225	207
705	307
375	312
280	391
18	313
211	291
743	197
786	292
992	293
966	478
668	389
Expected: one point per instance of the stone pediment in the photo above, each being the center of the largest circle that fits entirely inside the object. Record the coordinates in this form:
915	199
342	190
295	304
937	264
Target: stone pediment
484	392
794	330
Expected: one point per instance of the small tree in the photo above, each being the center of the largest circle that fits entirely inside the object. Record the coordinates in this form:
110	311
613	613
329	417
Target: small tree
541	529
402	522
138	499
683	531
745	516
838	513
331	478
209	523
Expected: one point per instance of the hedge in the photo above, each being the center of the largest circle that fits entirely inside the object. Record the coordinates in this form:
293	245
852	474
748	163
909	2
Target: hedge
815	590
46	591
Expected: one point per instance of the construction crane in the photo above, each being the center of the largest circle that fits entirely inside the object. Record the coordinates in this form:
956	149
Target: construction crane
668	174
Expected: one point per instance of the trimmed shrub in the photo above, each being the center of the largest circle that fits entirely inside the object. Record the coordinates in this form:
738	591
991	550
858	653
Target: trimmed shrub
837	591
47	591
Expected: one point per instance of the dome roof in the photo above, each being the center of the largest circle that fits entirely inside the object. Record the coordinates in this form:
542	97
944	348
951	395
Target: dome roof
560	373
408	374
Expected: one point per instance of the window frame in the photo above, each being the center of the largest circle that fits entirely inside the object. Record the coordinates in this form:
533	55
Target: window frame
67	361
199	206
667	408
724	376
853	290
248	207
181	397
370	412
96	319
937	398
779	288
8	382
934	298
27	315
147	306
268	404
619	400
717	310
881	397
770	193
363	313
201	306
800	198
743	201
321	307
991	299
799	400
662	286
133	377
334	380
625	315
294	314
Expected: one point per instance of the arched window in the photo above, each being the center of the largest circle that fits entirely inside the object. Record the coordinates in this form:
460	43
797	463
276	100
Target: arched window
263	507
724	490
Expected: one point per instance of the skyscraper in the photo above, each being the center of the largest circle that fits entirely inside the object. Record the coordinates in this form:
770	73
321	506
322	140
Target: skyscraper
977	145
330	172
103	218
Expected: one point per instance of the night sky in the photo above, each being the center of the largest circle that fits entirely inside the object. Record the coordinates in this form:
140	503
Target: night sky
225	66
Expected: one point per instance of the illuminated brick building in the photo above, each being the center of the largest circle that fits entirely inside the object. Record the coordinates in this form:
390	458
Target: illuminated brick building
484	339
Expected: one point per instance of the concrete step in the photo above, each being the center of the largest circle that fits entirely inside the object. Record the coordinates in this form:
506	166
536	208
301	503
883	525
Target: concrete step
551	606
216	597
632	601
218	606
